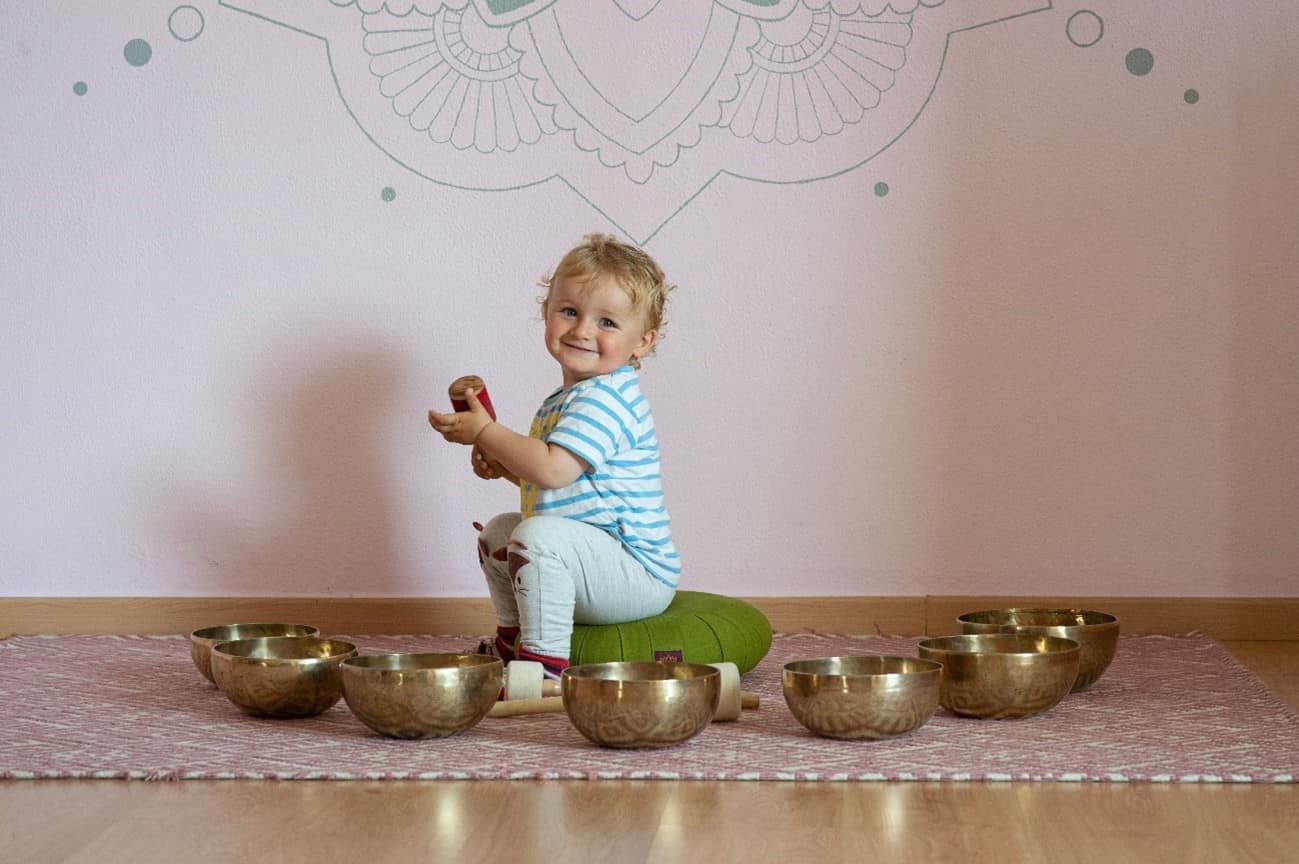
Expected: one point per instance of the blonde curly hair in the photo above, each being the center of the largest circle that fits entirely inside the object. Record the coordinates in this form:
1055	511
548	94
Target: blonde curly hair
603	255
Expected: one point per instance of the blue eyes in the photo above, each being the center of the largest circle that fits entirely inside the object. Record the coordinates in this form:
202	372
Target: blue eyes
605	323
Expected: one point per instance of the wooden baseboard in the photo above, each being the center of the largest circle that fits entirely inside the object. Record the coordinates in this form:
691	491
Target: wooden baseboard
1226	618
158	615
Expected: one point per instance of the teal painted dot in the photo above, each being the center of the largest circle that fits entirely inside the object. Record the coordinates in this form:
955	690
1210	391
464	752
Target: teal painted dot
1191	97
137	52
80	88
881	189
1140	61
388	193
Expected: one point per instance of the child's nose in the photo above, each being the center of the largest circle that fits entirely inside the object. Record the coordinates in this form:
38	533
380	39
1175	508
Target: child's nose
585	326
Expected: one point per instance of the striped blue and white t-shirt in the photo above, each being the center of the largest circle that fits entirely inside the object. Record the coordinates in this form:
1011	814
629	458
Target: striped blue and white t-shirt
606	422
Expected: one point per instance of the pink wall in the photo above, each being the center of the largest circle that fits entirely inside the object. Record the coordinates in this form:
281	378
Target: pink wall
1057	356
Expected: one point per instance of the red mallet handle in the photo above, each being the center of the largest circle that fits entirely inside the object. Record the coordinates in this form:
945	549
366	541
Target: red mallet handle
458	389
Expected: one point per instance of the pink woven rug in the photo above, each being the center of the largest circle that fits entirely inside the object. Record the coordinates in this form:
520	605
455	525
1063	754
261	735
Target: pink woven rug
1170	709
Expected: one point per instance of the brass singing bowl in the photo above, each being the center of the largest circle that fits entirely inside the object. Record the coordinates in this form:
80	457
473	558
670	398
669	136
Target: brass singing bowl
281	676
1097	633
1002	675
640	704
201	641
421	695
862	697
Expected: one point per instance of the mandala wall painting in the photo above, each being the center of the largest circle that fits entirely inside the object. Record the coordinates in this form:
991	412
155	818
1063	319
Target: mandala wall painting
635	104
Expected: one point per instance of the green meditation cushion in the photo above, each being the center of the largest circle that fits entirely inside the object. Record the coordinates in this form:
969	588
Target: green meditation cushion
696	628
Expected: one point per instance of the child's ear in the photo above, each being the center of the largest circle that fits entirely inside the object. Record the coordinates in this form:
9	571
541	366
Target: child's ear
646	343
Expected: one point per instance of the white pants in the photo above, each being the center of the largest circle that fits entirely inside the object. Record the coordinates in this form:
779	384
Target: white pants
546	573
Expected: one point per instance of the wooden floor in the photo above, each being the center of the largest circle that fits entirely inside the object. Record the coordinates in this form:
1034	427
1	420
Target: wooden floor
626	821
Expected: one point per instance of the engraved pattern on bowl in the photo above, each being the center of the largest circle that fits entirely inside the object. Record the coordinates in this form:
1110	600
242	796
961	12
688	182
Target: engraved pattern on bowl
1097	633
421	695
202	640
281	676
870	696
999	676
640	704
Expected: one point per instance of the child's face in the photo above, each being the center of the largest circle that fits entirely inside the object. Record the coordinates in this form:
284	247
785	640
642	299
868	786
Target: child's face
592	327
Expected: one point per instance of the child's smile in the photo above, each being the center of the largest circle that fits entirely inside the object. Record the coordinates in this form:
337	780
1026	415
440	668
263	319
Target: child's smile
593	328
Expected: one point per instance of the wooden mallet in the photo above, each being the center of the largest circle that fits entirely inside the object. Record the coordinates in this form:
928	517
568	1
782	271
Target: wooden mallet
528	701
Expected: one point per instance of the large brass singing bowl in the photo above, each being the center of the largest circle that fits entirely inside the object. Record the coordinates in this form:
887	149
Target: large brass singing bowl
1097	633
421	695
201	641
1003	675
640	704
862	697
281	676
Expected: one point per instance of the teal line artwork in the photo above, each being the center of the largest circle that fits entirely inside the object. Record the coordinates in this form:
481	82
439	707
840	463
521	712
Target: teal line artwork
501	95
388	193
185	23
1191	97
80	88
1084	28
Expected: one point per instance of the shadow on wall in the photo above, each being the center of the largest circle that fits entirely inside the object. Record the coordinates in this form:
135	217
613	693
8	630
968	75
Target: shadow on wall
313	514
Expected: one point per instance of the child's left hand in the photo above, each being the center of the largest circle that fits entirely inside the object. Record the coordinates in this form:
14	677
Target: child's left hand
461	427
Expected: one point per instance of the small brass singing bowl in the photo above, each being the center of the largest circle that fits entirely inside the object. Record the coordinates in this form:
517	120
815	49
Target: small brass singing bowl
421	695
640	704
1097	633
862	697
201	641
281	676
997	676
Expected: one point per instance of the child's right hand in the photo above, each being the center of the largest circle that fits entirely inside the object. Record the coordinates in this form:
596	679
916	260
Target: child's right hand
486	467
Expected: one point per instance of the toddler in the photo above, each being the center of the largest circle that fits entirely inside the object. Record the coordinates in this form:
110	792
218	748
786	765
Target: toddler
592	543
